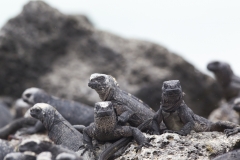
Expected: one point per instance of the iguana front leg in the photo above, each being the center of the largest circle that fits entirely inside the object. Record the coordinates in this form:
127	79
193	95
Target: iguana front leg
88	134
124	113
157	119
128	131
34	129
80	128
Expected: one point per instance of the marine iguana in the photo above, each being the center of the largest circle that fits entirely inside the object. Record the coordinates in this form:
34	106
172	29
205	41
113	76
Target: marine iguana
179	118
38	147
59	130
229	82
105	127
16	124
128	108
73	112
20	156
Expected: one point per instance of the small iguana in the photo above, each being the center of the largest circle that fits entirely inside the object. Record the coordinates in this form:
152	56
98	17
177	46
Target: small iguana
229	82
105	127
59	130
75	113
179	118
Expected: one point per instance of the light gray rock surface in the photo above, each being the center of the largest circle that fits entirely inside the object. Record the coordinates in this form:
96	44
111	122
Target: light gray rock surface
41	47
204	146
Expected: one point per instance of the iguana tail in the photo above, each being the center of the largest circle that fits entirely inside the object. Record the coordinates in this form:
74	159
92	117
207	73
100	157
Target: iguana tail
15	125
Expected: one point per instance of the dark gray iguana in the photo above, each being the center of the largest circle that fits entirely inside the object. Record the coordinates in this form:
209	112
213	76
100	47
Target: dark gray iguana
74	112
229	82
59	130
128	108
179	118
105	127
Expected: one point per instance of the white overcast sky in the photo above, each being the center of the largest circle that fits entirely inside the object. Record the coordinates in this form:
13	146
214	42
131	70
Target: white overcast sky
198	30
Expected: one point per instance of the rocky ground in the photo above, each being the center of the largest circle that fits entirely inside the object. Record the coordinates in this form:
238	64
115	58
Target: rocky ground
204	146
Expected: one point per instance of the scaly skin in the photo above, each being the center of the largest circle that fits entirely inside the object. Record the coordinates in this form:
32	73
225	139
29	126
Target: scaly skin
179	118
229	82
128	108
59	130
74	112
105	127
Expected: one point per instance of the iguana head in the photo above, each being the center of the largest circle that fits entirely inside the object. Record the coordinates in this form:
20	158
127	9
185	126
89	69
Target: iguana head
103	109
45	113
30	95
102	83
104	115
171	93
221	70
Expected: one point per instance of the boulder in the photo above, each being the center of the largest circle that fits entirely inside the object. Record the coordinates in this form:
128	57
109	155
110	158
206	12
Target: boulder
41	47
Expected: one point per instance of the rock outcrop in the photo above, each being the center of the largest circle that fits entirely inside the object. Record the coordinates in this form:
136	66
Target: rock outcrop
44	48
205	146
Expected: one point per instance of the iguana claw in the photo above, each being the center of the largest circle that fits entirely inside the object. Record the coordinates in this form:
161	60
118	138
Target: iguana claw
230	132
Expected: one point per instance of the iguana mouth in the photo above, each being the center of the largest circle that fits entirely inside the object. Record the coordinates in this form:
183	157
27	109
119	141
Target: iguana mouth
172	92
104	113
93	85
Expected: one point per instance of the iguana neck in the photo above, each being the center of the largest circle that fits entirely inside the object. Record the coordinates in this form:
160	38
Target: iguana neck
51	120
107	94
171	106
224	78
106	124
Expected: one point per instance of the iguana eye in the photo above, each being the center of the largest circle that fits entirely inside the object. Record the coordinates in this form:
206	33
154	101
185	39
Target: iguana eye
165	85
